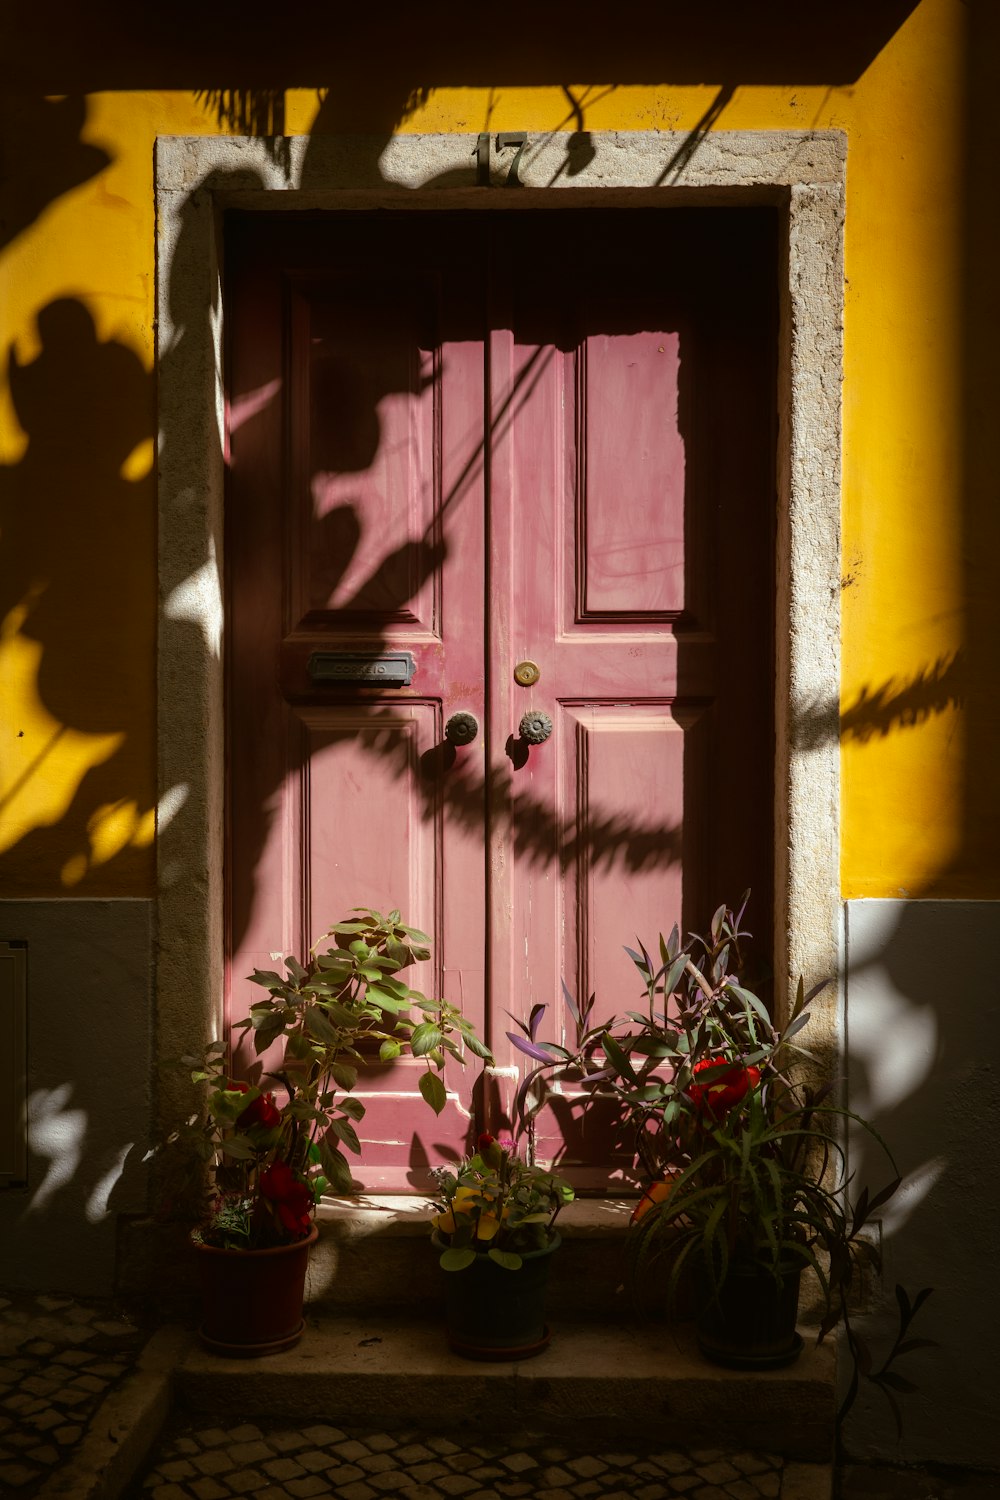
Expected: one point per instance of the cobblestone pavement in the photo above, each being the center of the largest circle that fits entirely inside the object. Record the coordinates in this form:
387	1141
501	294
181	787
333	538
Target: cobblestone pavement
59	1358
265	1462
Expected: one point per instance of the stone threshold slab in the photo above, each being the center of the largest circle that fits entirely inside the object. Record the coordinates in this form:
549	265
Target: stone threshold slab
602	1380
398	1216
375	1252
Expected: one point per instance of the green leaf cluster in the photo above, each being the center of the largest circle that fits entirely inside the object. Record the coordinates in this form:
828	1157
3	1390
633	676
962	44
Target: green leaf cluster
321	1022
496	1205
748	1154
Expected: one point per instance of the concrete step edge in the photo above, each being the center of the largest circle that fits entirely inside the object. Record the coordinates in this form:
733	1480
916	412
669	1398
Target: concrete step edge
593	1378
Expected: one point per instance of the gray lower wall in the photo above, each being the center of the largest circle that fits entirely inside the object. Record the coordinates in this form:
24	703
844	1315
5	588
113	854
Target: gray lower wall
922	1001
89	1032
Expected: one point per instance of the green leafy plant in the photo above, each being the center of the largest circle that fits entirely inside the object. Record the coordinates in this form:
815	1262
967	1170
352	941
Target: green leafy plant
496	1205
744	1156
250	1167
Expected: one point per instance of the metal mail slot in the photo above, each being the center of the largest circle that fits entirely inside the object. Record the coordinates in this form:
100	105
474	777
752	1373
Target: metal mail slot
394	669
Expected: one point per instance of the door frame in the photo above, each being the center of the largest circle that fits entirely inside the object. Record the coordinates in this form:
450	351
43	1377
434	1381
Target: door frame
197	178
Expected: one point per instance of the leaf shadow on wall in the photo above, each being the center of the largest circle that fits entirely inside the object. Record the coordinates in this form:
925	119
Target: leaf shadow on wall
74	598
43	156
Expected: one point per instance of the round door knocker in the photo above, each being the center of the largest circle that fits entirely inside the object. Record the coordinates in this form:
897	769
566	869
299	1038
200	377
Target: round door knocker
535	727
461	729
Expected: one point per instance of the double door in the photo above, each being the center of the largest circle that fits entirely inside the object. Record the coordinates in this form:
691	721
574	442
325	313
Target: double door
500	537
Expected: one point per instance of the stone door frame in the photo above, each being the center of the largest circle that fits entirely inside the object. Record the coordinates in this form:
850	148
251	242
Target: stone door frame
196	179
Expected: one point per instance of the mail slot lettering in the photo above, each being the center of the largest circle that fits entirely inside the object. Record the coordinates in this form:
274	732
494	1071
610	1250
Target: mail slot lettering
394	669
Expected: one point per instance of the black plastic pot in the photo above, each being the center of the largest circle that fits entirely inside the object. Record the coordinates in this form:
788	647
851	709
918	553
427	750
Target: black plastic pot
750	1323
495	1314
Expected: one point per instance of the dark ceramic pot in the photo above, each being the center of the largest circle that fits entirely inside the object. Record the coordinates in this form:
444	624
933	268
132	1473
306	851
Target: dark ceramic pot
252	1299
494	1314
750	1324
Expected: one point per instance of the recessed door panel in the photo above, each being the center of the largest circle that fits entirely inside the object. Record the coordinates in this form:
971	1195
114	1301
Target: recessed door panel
366	468
631	481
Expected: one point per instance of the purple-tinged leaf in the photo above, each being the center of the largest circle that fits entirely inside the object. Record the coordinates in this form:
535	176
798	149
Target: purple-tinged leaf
618	1059
919	1300
571	1004
601	1076
641	964
674	973
531	1049
884	1196
797	1025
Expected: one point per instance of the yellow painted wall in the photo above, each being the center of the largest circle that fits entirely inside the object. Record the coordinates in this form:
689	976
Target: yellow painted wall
77	423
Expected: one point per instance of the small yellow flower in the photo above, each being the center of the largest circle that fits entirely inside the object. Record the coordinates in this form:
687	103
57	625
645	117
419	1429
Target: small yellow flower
475	1205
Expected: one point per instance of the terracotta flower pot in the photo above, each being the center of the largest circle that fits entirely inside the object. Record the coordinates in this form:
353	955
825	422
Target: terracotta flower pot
252	1299
495	1314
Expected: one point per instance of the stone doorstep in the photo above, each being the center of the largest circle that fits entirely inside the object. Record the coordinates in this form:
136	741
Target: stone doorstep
595	1380
594	1383
602	1376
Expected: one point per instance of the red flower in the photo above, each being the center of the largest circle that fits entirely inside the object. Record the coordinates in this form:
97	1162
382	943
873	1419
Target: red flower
293	1199
261	1111
728	1086
491	1150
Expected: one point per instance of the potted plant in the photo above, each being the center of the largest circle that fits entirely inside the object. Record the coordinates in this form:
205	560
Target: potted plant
249	1168
495	1231
743	1152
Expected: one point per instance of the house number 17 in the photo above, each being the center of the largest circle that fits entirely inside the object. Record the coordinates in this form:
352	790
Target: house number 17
505	141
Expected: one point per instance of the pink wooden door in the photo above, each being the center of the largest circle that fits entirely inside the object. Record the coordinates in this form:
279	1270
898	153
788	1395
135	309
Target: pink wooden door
485	440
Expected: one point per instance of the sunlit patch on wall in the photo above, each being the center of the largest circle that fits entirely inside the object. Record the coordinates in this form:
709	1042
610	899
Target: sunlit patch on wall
56	1132
97	1204
198	600
13	438
111	828
919	1184
139	463
884	1078
145	829
43	761
171	803
74	869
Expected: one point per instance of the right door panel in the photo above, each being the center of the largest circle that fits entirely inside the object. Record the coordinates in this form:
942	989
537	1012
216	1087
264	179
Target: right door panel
632	525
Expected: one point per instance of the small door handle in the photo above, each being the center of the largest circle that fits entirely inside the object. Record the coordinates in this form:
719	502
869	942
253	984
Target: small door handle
461	729
535	727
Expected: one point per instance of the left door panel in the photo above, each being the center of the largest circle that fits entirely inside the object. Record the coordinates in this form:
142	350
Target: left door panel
355	532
